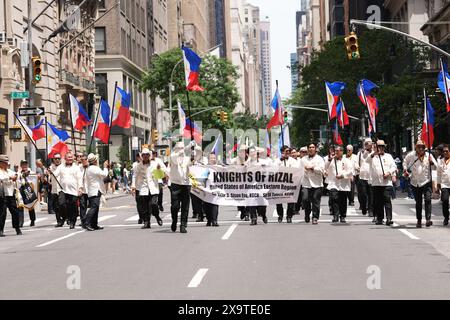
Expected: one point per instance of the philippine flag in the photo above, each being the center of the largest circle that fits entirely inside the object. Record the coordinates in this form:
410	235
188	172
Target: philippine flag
342	115
186	124
36	133
192	69
55	141
103	122
444	85
121	113
428	124
334	91
278	117
80	118
336	136
364	91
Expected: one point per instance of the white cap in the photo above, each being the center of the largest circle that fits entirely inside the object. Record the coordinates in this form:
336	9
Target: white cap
92	158
145	151
367	140
303	149
350	147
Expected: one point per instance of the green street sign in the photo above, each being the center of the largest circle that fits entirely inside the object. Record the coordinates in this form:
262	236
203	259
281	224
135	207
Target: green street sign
20	95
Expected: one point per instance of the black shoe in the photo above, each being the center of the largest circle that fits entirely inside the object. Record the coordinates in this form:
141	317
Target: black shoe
307	219
140	221
161	208
343	220
68	223
280	219
32	224
72	226
59	225
18	231
146	226
445	222
88	228
173	226
246	218
2	234
264	219
253	223
208	224
419	224
429	223
288	220
160	222
215	224
379	222
98	228
84	226
370	213
364	212
335	219
388	223
242	216
200	220
183	229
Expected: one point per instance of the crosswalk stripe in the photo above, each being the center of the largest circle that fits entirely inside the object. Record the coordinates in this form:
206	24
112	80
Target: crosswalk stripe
133	218
36	221
106	218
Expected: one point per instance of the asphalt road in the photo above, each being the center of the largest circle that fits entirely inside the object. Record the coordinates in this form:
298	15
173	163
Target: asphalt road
356	260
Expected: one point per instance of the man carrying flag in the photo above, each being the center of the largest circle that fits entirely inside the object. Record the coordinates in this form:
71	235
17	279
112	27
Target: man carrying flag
334	91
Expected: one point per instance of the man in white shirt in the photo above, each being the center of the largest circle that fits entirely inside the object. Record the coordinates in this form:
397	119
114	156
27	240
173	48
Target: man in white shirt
53	205
7	198
302	153
70	178
286	161
133	169
312	183
241	159
443	181
160	181
363	171
83	199
417	165
354	159
95	187
253	160
23	174
339	171
145	181
382	169
180	188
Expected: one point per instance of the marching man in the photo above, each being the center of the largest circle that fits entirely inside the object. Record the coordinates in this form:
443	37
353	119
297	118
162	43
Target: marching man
339	171
443	181
7	198
417	166
363	169
354	159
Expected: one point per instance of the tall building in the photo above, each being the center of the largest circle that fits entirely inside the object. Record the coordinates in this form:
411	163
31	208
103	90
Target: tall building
123	50
195	15
266	66
294	71
175	23
69	70
219	26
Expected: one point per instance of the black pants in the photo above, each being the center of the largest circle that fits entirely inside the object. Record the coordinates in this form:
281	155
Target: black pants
257	211
211	211
245	211
91	218
160	195
351	194
298	205
444	198
419	194
68	207
290	210
179	198
148	206
311	201
136	197
10	204
197	206
382	202
31	213
365	196
53	206
338	203
83	207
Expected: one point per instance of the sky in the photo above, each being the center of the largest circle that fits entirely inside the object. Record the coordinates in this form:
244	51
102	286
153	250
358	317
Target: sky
282	38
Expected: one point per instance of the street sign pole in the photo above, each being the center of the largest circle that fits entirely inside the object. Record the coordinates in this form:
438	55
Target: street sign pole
30	86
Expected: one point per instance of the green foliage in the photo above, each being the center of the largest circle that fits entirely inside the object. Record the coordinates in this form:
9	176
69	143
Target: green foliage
217	76
389	60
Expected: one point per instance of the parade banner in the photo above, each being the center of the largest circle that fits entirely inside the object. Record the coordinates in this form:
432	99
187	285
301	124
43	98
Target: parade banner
245	185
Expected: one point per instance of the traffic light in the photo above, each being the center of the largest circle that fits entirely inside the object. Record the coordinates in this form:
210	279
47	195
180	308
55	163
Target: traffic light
285	116
15	133
219	115
155	135
351	44
37	69
223	116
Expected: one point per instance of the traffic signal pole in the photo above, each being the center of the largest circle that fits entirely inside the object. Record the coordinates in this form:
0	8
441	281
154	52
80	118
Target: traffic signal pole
31	86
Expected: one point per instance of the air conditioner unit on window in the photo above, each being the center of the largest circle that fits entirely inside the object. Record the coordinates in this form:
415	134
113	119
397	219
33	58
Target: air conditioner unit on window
10	42
2	37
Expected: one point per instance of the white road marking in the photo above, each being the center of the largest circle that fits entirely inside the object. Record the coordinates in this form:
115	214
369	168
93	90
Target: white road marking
409	234
230	230
197	278
59	239
133	218
352	212
8	221
106	218
27	222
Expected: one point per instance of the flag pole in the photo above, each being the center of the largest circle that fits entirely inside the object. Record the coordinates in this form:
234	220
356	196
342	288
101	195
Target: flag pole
367	106
281	125
34	144
73	129
112	114
95	124
191	123
444	79
428	134
46	141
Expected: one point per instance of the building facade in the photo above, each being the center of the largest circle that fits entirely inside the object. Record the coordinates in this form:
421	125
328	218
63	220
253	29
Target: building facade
266	65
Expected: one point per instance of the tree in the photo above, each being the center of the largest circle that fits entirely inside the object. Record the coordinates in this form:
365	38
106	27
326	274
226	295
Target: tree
389	60
218	77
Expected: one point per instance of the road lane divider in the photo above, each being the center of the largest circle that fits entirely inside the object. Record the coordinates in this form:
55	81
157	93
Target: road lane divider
104	218
58	239
198	277
230	230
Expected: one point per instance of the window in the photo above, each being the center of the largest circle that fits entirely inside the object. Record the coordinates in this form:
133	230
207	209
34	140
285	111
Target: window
100	41
123	45
101	4
102	85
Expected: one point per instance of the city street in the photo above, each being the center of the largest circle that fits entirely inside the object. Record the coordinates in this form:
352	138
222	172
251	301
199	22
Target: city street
233	261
